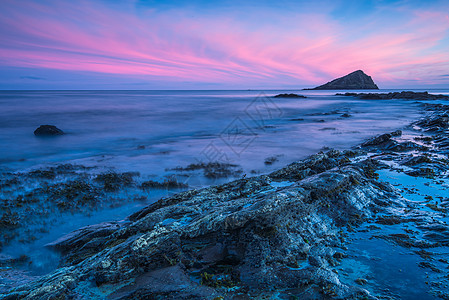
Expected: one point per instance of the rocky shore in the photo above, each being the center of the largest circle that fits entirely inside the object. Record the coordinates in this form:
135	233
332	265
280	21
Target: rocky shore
289	234
396	95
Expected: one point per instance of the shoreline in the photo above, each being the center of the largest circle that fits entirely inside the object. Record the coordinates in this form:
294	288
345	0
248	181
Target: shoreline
205	235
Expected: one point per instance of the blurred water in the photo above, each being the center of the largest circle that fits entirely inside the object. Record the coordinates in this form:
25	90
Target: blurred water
180	127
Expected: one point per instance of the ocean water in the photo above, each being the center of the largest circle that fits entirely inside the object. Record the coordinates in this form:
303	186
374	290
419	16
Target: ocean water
151	131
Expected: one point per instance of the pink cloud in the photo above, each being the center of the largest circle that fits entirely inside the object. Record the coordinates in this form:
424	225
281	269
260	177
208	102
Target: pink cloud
300	48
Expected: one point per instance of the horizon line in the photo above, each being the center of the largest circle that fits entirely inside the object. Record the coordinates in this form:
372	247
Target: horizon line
246	90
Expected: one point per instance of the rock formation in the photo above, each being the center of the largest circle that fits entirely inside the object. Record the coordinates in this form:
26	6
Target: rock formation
289	96
357	80
397	95
48	130
252	236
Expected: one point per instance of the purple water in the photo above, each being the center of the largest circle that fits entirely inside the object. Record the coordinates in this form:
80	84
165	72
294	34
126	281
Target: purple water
154	131
180	127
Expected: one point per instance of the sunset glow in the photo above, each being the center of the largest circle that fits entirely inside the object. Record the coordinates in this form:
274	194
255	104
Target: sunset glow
225	46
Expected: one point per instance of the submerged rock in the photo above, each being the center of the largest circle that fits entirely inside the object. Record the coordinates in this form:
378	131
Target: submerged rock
212	170
289	96
396	95
357	80
48	130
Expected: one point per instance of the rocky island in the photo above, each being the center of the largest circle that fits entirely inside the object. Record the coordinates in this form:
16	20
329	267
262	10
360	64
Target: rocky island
356	80
289	234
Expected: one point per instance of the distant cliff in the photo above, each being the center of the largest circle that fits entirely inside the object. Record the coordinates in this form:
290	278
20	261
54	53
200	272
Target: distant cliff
357	80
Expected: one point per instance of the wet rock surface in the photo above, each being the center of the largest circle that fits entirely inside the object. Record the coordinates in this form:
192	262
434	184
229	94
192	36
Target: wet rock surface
339	224
30	202
248	237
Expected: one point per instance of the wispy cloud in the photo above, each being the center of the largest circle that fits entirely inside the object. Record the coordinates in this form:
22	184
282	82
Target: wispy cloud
32	77
179	43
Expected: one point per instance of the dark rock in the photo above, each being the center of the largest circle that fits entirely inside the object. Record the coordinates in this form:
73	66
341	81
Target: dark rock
435	122
329	113
327	128
396	95
212	170
404	146
271	160
385	142
112	181
428	265
396	133
378	140
416	160
421	172
357	80
406	241
345	115
338	255
170	183
392	220
289	96
83	238
48	130
252	236
160	283
361	281
7	261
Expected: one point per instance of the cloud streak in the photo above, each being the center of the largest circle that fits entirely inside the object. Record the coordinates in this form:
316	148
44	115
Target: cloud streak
179	44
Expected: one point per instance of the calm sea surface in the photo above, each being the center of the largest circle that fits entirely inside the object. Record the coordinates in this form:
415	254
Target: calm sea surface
150	131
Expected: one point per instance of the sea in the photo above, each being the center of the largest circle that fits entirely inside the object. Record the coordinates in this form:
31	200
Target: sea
152	131
155	132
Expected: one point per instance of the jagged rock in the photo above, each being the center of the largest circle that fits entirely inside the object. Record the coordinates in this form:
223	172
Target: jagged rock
396	133
378	140
48	130
435	122
289	96
253	236
82	237
385	142
357	80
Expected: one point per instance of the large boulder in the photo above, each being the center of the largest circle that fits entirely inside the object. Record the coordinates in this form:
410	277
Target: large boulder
357	80
48	130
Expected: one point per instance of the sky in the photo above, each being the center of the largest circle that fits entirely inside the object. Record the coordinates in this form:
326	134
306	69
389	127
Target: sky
207	44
